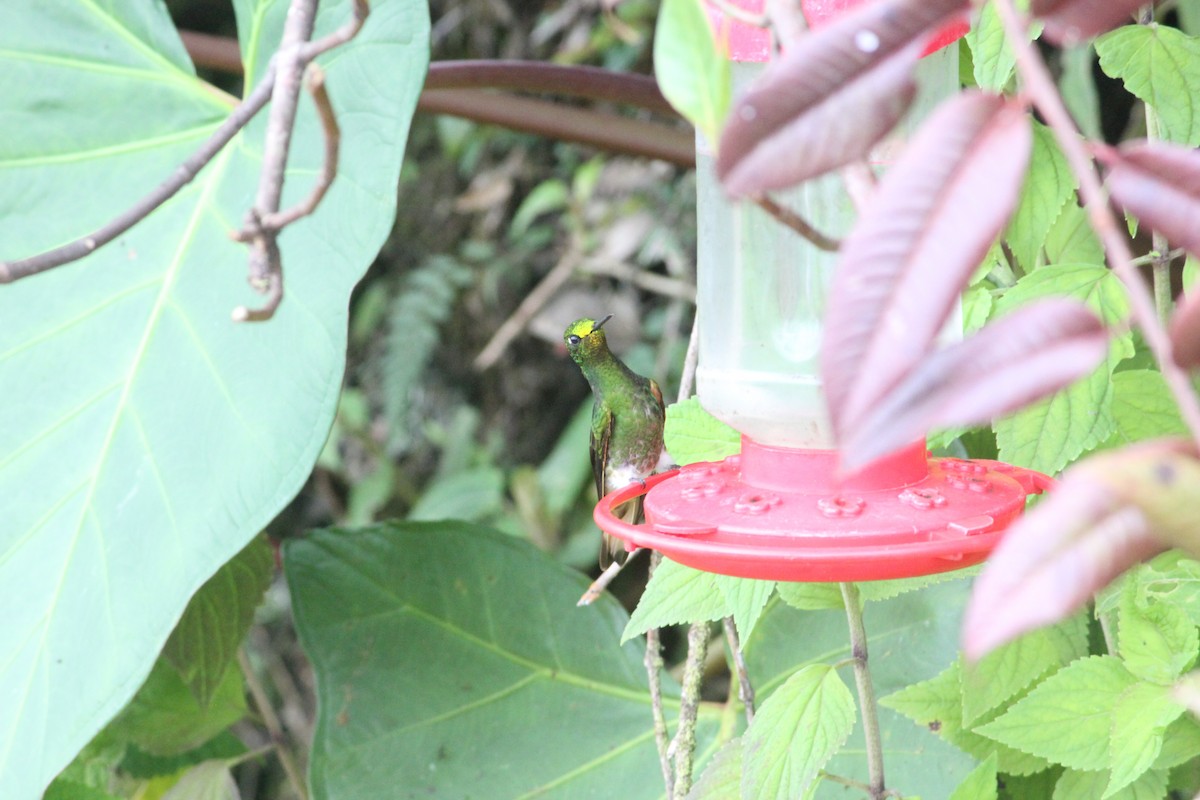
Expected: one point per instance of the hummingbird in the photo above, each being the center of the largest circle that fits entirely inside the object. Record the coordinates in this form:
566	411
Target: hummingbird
627	422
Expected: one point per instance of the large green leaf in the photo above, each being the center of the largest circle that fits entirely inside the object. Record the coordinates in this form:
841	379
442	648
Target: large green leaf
146	437
1161	66
910	637
452	661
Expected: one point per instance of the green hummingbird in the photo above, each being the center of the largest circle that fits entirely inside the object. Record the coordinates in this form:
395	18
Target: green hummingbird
627	422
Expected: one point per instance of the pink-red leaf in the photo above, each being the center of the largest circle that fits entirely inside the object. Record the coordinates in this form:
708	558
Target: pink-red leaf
927	228
1159	183
830	98
1110	512
1185	332
1071	20
1028	354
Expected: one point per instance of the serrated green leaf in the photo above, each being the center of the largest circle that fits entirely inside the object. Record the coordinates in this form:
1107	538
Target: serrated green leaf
205	641
1181	743
811	596
157	437
722	778
909	637
1171	578
1067	718
937	704
991	56
1077	785
1143	407
1157	641
1071	239
1191	272
1009	669
209	780
676	595
165	719
1049	185
1161	67
692	434
1056	430
1078	88
692	70
874	591
1139	723
457	646
795	732
1026	787
980	784
745	598
977	307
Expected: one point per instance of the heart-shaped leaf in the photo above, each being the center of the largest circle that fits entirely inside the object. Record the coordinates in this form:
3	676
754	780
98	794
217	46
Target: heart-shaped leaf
830	97
1028	354
915	247
451	660
147	436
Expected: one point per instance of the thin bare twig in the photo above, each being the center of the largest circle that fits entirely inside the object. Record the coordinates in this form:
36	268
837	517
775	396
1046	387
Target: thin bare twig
270	225
274	728
264	221
651	282
555	279
745	688
182	176
799	224
1041	88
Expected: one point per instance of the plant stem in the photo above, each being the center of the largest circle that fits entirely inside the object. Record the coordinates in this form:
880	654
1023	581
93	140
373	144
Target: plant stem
1161	262
274	728
654	665
683	746
745	690
866	690
1041	89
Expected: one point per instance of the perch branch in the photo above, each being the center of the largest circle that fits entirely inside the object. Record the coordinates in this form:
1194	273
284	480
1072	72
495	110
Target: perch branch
1041	88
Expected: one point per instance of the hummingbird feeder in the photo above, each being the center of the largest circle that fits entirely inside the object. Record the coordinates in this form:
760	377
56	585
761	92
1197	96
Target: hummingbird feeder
778	510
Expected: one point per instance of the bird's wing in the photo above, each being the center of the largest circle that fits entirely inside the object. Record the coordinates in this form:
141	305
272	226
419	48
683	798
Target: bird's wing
602	430
657	392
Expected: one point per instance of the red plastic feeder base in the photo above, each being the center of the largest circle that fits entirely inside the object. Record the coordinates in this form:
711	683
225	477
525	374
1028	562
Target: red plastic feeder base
780	514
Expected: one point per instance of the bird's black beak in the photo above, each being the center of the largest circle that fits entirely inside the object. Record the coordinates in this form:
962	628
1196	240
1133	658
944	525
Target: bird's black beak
600	324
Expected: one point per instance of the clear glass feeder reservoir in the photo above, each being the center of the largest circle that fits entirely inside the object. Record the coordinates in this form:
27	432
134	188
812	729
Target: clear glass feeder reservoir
779	510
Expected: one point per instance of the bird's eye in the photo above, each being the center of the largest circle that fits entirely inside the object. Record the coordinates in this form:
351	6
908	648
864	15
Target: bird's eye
573	339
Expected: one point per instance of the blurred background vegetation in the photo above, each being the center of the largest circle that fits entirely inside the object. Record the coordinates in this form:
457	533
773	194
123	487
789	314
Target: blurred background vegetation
426	431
